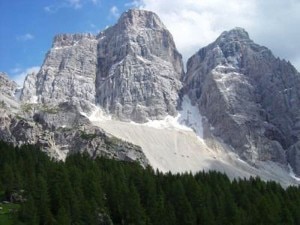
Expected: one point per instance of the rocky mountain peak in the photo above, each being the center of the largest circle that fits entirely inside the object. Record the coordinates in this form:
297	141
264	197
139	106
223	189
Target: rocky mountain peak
139	68
132	70
140	18
235	34
63	40
258	92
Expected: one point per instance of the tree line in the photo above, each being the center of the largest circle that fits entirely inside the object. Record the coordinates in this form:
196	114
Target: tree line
105	192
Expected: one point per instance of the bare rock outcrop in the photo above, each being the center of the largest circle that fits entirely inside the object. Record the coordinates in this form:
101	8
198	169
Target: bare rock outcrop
61	130
132	70
8	89
139	68
67	74
250	98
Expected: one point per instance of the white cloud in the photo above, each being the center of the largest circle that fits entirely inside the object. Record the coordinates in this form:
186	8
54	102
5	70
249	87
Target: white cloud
20	74
93	25
196	23
15	70
133	4
25	37
95	2
76	4
114	11
48	8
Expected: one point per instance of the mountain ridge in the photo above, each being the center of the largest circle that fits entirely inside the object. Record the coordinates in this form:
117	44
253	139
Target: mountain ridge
133	72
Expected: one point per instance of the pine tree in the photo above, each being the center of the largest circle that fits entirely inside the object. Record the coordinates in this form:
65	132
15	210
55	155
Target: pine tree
63	218
43	201
28	213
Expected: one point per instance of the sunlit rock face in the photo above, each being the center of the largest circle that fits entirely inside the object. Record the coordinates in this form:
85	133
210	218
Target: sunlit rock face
67	74
249	100
250	97
131	69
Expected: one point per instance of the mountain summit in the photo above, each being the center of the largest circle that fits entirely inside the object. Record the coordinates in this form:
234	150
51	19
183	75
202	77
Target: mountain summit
132	70
251	98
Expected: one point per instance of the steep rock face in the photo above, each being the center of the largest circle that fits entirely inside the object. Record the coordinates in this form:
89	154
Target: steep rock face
7	86
139	68
57	128
8	90
29	92
250	98
132	70
68	72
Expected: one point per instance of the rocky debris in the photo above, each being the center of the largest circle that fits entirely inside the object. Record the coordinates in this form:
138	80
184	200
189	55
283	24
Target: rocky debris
63	130
17	197
131	69
250	98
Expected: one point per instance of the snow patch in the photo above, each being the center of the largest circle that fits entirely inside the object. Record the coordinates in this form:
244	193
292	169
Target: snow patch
97	115
188	119
191	117
101	38
61	47
146	61
169	122
292	174
33	99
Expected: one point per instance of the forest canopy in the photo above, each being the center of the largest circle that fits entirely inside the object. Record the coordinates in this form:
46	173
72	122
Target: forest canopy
104	191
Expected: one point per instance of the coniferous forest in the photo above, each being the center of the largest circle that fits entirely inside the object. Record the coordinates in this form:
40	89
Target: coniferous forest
105	192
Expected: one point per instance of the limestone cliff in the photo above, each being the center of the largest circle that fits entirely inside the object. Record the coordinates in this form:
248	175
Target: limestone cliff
250	98
132	70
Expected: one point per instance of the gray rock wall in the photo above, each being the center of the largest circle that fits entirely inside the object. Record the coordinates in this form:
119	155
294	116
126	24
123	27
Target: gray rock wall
7	86
251	98
132	70
68	72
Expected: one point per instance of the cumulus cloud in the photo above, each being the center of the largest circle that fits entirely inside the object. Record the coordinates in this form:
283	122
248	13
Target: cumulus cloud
194	24
21	74
114	11
25	37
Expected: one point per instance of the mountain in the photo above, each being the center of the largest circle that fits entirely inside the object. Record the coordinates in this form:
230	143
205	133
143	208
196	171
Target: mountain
250	98
132	70
60	130
7	86
8	90
124	94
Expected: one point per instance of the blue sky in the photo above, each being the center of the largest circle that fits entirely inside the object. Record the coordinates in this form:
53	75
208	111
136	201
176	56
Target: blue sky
28	26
